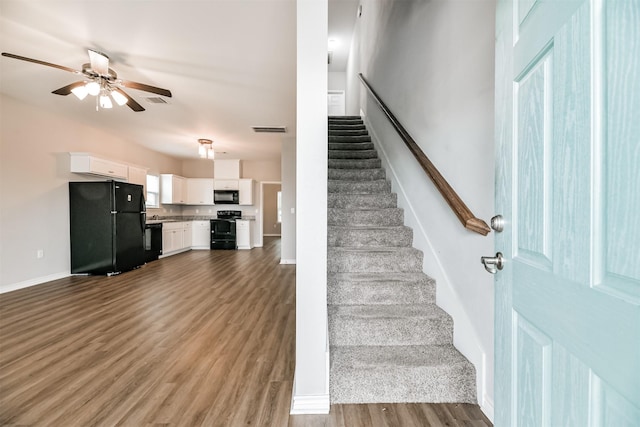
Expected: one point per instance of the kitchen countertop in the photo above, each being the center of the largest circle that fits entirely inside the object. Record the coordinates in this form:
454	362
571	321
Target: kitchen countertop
174	218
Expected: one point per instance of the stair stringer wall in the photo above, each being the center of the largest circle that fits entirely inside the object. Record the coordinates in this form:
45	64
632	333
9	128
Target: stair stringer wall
465	336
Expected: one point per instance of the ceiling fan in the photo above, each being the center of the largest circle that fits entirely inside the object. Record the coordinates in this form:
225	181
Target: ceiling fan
99	80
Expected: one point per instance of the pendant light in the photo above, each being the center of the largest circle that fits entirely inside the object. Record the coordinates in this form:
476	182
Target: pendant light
205	150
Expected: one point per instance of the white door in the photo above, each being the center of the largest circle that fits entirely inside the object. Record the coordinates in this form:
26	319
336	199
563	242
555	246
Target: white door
567	307
336	103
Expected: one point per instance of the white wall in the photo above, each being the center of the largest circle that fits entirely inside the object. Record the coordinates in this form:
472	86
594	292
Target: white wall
433	63
310	393
337	80
34	176
288	242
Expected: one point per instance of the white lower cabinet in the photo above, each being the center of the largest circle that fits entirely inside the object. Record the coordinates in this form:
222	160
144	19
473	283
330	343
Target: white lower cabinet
181	236
174	237
186	236
243	234
200	235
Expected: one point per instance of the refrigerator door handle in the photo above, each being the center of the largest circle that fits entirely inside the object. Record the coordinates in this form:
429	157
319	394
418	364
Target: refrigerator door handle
143	221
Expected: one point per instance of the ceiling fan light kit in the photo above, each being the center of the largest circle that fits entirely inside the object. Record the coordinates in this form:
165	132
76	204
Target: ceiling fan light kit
103	82
80	92
119	97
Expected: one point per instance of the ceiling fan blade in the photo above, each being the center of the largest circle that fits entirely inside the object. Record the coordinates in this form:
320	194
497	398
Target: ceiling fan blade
99	62
147	88
66	90
37	61
130	101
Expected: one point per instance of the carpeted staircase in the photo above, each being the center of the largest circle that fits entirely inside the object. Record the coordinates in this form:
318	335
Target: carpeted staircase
389	341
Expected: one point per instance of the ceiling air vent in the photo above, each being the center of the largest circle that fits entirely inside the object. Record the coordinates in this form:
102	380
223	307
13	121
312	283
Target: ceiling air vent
269	129
156	100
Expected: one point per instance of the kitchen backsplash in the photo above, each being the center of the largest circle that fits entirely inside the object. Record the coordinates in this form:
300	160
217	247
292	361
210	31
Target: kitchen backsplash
198	211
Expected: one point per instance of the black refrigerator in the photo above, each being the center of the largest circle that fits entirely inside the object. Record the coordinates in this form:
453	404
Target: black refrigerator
107	222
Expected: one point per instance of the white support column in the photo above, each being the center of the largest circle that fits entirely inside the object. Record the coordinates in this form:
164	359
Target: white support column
310	392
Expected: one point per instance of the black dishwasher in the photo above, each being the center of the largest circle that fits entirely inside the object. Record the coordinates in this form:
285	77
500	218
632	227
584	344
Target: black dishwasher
152	241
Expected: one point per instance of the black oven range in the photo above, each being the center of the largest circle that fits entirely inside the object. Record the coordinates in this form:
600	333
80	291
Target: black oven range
223	230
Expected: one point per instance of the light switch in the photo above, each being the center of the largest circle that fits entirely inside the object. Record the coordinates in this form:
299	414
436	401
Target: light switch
293	210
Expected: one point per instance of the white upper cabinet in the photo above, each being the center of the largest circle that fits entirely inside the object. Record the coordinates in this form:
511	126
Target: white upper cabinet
225	184
199	191
246	192
173	189
226	169
86	163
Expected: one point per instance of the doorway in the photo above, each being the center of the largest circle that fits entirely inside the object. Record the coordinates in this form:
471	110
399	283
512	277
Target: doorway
269	218
271	209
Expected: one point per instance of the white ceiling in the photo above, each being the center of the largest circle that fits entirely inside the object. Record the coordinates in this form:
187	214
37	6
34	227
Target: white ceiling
229	64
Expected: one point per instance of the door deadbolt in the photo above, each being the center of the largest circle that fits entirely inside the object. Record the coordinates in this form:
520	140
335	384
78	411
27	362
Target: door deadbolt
493	264
497	223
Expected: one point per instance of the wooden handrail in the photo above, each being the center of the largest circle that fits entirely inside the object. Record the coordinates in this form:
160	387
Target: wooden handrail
466	217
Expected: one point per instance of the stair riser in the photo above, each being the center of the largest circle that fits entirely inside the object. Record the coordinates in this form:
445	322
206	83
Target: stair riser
386	331
374	261
356	174
362	201
346	120
419	384
355	293
355	164
347	133
351	145
345	136
353	154
332	123
359	187
345	126
372	218
354	237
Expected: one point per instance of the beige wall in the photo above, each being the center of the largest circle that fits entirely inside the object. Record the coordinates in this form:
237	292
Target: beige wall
270	206
197	168
34	176
261	170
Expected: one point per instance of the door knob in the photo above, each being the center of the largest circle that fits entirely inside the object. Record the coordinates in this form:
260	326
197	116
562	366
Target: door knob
493	264
497	223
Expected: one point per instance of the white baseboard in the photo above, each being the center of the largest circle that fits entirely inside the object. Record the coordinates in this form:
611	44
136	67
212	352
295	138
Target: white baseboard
287	261
309	405
272	235
33	282
487	406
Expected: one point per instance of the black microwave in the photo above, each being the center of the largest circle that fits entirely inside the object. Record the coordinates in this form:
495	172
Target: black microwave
228	197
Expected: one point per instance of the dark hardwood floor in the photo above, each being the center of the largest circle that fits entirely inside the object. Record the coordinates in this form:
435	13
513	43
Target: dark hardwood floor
204	338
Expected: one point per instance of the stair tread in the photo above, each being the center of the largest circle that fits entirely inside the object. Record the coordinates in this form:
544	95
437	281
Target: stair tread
380	277
351	181
398	357
361	209
387	311
377	249
368	227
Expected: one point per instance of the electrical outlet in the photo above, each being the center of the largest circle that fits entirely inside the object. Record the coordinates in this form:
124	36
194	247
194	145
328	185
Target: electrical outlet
197	210
40	253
